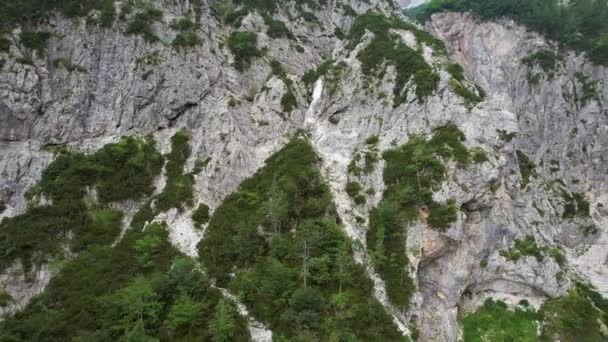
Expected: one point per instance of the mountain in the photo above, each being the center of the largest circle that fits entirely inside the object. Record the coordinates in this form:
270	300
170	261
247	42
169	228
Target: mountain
276	170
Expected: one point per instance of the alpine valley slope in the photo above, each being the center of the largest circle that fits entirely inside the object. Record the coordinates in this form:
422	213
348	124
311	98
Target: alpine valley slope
518	209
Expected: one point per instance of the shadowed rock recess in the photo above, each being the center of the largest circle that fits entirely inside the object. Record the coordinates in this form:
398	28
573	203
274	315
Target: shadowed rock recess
319	170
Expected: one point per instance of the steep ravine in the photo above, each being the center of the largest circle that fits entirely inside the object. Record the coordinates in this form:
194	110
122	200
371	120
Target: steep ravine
454	271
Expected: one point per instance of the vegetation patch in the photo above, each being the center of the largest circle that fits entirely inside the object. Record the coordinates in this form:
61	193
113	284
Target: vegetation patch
124	170
243	46
142	289
200	216
387	48
141	23
412	172
527	168
35	41
528	247
580	25
291	261
494	321
572	318
575	205
288	100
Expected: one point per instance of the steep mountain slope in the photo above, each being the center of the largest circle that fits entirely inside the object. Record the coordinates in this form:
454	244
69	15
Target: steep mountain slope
464	161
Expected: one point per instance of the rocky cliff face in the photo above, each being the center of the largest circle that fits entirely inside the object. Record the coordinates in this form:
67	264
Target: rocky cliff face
132	87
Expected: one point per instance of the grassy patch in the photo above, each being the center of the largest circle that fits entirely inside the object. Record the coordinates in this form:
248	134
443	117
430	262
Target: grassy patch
571	318
495	322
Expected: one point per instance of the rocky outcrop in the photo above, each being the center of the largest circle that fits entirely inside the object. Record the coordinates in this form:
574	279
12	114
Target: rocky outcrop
236	122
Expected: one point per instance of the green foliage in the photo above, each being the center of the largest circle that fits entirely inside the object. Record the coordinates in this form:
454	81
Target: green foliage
479	156
524	247
184	313
441	216
546	59
506	136
107	294
28	13
353	189
470	96
495	322
386	48
575	205
186	40
183	24
243	46
527	168
276	28
288	101
124	170
411	173
580	25
223	325
35	41
456	71
200	216
292	262
178	188
141	23
571	318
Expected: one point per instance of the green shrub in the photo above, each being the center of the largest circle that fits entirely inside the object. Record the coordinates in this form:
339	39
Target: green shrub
495	322
506	136
178	191
526	168
186	40
576	205
479	156
141	24
353	188
461	90
456	71
243	46
441	216
546	59
276	28
184	24
201	215
571	318
35	41
373	140
288	101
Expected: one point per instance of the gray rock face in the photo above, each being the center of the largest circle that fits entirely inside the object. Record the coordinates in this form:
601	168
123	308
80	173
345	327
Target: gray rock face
134	87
